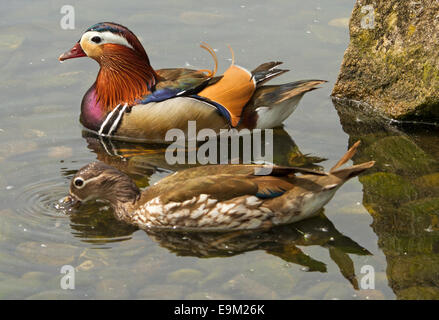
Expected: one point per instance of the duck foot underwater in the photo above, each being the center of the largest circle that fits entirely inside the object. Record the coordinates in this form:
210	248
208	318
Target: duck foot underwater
215	197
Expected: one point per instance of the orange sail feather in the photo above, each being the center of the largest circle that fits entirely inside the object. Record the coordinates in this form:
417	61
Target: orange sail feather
233	91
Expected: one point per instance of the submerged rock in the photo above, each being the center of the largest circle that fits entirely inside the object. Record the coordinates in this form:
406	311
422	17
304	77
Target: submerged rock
419	293
161	292
401	193
392	60
387	188
185	276
203	295
52	254
401	155
57	294
18	288
429	183
370	294
112	289
10	42
274	276
242	287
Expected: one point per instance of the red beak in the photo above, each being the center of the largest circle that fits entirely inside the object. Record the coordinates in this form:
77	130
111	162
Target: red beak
75	52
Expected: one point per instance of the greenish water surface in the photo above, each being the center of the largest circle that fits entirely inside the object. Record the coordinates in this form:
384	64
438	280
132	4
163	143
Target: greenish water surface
387	218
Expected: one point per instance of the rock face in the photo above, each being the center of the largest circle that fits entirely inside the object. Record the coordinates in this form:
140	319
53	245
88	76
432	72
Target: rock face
392	62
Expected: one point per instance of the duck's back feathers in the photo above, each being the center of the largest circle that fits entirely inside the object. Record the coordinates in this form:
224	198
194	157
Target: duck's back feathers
227	182
178	82
222	187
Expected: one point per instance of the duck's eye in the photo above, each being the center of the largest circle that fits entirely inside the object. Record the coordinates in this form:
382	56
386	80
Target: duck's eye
96	39
79	183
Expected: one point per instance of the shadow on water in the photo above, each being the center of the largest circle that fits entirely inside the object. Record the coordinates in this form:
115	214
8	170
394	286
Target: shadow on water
280	241
140	161
401	193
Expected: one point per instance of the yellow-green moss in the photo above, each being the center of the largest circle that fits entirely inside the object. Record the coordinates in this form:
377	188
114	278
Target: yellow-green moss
392	20
411	30
393	66
422	207
400	155
383	187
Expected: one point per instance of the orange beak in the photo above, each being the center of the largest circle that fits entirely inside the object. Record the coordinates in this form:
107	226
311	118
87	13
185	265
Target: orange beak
75	52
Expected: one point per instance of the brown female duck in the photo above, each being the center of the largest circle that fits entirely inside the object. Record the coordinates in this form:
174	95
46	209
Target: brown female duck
217	197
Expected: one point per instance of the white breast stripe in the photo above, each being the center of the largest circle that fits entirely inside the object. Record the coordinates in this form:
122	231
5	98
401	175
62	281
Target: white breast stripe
107	119
105	146
116	122
113	151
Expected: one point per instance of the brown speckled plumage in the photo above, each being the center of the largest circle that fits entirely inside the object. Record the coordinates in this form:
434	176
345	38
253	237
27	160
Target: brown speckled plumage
217	197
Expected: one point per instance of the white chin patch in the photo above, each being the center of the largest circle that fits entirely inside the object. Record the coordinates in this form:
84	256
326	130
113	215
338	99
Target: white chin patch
106	37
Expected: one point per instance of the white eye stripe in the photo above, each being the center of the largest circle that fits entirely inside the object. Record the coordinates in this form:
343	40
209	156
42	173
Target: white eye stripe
107	37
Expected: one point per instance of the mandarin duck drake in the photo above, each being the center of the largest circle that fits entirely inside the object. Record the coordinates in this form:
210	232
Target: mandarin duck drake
215	197
130	100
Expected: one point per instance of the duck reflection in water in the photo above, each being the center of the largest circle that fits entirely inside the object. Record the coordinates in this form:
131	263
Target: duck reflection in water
281	241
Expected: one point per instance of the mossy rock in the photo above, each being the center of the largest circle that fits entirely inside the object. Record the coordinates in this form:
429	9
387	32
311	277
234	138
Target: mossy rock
418	270
411	219
387	188
409	244
428	183
398	154
391	64
419	293
422	207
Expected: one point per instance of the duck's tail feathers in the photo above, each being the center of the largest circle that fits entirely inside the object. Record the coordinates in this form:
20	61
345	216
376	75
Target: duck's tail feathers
347	156
352	171
267	71
274	104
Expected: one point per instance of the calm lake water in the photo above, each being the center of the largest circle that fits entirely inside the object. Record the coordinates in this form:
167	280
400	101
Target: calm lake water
386	219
